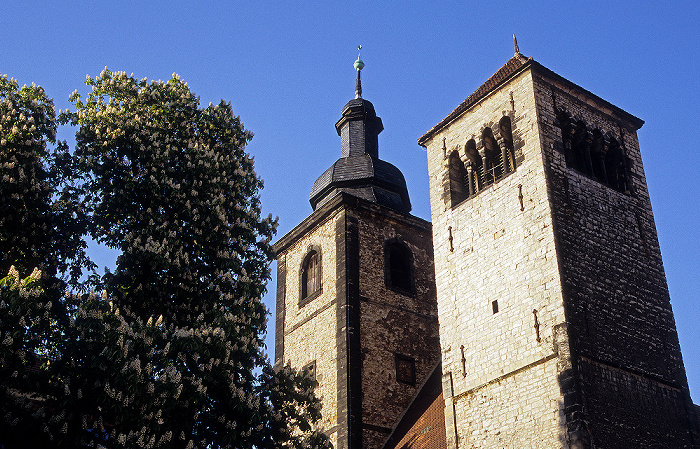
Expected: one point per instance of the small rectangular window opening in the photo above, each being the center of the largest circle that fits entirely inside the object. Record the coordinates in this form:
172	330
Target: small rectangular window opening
494	306
310	369
405	369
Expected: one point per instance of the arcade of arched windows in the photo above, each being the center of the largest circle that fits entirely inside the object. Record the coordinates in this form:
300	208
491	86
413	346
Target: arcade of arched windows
590	152
483	162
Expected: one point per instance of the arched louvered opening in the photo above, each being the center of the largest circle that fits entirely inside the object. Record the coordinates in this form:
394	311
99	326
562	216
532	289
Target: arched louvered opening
587	152
494	159
398	266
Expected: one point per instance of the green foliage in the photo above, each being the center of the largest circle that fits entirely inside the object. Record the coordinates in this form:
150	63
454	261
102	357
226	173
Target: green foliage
27	328
40	219
171	353
41	230
170	186
291	407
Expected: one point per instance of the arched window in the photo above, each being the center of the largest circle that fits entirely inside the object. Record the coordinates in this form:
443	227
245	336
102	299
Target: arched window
475	182
398	260
492	160
615	167
310	276
458	179
579	146
597	158
508	152
566	133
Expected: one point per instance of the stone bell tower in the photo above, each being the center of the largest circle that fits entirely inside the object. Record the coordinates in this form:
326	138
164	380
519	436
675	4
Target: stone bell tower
555	320
356	302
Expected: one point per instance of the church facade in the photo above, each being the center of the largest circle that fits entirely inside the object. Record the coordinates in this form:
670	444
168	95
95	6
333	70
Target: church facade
533	312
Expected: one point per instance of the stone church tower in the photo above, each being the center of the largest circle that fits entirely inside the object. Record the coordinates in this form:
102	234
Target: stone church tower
356	301
556	326
555	323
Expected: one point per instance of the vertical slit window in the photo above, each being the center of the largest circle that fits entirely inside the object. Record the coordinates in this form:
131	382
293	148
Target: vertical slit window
310	370
405	369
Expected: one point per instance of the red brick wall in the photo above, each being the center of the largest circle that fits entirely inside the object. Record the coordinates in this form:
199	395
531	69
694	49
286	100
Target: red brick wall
428	429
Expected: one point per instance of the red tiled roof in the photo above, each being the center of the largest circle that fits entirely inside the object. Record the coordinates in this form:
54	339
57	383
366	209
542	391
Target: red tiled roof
514	65
511	67
423	424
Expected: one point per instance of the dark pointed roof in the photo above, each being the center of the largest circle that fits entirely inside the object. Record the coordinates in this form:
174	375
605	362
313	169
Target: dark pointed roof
369	178
359	171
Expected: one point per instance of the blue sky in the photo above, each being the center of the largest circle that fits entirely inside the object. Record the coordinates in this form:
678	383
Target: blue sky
287	70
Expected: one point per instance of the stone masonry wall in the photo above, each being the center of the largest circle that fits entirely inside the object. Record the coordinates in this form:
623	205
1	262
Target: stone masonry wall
523	410
496	247
622	329
653	413
354	329
393	322
310	331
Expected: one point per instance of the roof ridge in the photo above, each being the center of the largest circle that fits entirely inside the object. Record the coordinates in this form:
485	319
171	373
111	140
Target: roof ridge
513	65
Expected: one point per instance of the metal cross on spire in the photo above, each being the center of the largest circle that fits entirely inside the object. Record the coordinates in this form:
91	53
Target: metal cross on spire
359	65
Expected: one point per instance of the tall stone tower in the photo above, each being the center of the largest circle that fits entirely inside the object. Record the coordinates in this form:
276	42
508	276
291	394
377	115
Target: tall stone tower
356	301
555	321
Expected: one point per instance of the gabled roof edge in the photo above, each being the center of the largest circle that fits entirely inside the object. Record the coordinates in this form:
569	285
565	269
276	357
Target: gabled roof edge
512	67
503	75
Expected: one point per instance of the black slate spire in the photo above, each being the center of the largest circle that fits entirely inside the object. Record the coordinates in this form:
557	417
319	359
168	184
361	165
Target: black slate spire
359	171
